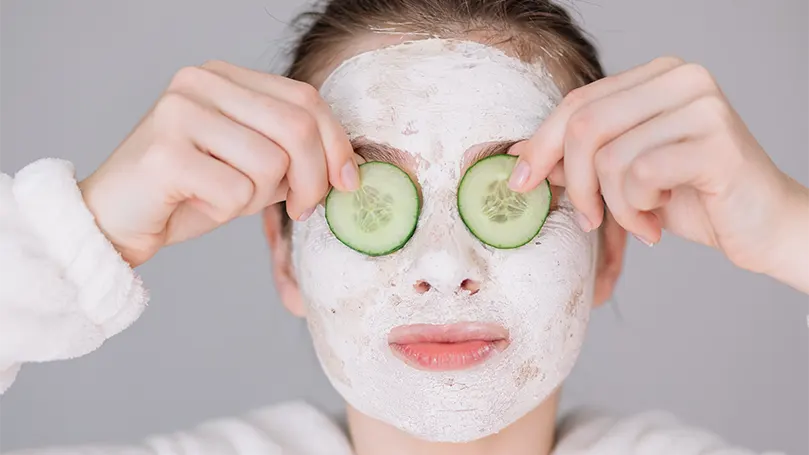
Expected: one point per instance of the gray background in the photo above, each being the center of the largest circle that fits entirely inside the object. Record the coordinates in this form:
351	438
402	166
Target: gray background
721	348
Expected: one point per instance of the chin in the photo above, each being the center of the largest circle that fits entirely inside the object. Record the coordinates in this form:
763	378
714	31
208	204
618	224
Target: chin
469	418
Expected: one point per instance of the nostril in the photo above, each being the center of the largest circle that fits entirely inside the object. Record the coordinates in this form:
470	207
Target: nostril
470	286
422	286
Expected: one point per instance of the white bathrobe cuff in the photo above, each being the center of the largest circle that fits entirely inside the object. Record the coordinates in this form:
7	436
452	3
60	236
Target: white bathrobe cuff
64	289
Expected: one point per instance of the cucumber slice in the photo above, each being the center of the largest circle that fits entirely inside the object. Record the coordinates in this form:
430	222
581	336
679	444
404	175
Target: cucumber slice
379	217
497	216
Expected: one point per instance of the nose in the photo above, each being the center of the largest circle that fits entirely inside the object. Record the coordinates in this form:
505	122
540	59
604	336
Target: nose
448	272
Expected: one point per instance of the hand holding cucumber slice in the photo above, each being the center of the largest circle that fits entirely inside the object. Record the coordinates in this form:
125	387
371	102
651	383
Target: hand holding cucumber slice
497	216
379	217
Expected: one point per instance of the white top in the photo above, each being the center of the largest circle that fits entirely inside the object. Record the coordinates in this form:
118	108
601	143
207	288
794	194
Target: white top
64	290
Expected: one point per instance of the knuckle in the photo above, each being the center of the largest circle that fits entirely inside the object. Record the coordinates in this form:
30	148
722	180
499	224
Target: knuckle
188	77
575	97
160	157
698	76
223	215
281	163
579	125
607	160
302	125
273	167
586	132
240	193
173	109
713	110
643	171
306	96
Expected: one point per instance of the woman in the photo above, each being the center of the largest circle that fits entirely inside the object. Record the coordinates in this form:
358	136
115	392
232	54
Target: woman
447	345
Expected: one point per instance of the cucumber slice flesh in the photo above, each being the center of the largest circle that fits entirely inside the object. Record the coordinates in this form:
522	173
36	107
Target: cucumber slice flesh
497	216
378	218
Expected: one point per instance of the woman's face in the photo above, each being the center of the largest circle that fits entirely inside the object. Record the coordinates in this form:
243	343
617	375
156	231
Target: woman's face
446	339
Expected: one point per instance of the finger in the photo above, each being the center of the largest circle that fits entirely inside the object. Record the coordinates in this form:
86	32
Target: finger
644	225
222	192
293	128
252	154
683	126
650	178
546	147
261	160
693	170
557	175
342	167
608	117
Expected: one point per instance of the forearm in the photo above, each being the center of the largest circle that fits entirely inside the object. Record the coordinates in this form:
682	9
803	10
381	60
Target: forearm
790	261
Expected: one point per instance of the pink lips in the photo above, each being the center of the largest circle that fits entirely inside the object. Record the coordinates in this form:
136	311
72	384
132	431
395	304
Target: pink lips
447	347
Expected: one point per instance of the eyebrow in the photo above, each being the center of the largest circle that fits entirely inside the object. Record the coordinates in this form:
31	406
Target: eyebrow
374	151
492	149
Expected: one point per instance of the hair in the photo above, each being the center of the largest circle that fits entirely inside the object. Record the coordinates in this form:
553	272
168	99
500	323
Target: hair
533	29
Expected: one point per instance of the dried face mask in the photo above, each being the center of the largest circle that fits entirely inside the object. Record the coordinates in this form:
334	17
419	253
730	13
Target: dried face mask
435	100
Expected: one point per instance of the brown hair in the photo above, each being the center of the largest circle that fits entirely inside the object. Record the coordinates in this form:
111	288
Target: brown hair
534	29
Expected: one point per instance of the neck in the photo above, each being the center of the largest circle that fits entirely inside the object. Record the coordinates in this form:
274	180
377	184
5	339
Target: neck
533	434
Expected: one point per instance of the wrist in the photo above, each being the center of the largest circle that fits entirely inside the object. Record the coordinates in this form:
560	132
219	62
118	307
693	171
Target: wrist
95	207
789	258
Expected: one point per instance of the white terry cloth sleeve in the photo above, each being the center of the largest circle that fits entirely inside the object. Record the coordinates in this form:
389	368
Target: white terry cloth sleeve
64	289
294	428
588	432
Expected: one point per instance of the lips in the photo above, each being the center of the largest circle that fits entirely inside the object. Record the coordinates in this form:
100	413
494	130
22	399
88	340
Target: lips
447	347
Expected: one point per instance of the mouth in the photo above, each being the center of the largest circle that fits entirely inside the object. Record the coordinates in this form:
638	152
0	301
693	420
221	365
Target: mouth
447	347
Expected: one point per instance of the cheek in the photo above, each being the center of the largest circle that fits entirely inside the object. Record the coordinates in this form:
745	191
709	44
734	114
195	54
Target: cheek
338	285
329	274
548	287
548	280
323	343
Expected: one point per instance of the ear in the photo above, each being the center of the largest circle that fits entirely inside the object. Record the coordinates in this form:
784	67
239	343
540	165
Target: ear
610	258
281	257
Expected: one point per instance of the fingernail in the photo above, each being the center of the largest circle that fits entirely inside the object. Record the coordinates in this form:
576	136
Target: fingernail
643	241
584	223
306	214
351	178
519	176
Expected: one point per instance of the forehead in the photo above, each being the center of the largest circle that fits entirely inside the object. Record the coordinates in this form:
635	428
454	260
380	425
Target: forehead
455	94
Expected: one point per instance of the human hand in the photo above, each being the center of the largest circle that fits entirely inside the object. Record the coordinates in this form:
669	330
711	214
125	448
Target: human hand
221	142
665	149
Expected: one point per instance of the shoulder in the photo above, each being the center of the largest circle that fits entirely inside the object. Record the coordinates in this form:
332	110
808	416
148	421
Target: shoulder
587	432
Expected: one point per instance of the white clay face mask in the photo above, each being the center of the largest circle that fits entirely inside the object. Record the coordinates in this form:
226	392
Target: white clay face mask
432	101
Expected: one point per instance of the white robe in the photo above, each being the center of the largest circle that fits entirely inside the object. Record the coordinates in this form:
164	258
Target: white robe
64	290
